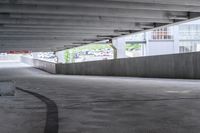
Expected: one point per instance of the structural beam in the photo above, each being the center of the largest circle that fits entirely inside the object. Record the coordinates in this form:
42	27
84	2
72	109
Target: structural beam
57	24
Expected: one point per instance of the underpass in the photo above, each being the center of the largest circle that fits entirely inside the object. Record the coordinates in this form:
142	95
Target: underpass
155	93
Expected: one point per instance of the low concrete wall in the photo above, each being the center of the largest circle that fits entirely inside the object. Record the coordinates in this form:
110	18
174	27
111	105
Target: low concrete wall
185	65
43	65
182	66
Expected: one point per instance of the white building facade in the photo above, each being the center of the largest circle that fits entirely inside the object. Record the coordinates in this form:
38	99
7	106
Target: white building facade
168	40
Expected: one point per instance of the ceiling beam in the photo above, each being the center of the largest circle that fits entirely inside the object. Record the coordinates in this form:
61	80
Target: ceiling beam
90	11
66	27
175	5
171	2
59	24
87	18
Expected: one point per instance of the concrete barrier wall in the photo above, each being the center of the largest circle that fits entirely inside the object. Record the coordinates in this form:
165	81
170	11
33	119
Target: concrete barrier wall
185	65
182	66
43	65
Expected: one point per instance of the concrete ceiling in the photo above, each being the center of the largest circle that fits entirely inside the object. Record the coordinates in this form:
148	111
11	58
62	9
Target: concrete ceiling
50	25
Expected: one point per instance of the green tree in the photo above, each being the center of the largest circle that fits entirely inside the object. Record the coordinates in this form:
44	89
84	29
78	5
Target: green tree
70	55
67	56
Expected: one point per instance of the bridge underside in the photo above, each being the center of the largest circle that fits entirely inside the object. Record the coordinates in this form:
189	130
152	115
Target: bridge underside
52	25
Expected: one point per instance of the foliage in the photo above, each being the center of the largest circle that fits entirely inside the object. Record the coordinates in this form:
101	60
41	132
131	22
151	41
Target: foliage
134	46
70	53
92	47
67	56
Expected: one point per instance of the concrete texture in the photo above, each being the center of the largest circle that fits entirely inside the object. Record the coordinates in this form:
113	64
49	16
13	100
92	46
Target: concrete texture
53	25
43	65
92	104
183	66
7	88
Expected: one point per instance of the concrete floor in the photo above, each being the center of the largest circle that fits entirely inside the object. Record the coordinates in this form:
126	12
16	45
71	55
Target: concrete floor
90	104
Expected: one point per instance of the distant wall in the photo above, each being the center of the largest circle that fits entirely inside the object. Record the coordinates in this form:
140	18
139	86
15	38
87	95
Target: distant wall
185	65
160	47
43	65
10	57
182	66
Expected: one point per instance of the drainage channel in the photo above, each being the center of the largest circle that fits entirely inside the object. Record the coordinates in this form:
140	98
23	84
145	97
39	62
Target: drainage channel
52	123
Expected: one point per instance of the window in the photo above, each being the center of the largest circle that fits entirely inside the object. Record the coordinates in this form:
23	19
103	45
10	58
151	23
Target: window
162	34
189	46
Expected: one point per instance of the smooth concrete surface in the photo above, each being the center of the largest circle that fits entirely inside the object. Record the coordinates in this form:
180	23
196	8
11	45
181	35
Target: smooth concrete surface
178	66
43	65
184	66
7	88
54	25
92	104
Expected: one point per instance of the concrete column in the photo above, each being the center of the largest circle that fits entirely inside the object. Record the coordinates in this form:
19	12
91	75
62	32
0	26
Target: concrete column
60	56
120	47
114	51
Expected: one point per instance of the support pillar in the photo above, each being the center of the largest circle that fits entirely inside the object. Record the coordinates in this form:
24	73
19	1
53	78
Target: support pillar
119	47
114	51
60	56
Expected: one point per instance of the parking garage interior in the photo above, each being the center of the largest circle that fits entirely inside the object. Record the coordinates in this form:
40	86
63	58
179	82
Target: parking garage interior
148	94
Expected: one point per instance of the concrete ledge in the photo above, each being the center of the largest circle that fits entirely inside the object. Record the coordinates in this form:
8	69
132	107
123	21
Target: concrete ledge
183	66
7	88
43	65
